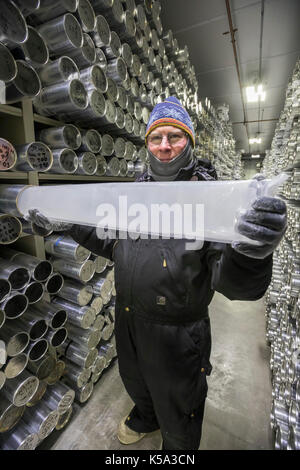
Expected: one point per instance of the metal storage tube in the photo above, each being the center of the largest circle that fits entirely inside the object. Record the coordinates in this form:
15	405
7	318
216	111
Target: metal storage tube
48	11
87	163
59	397
56	337
101	165
62	34
26	84
65	161
81	316
62	69
20	389
8	156
42	368
86	337
86	55
35	327
101	59
80	355
38	395
76	376
34	49
54	283
15	366
113	49
56	373
34	156
9	414
85	13
60	137
79	271
36	350
34	292
84	393
8	69
16	341
10	230
64	418
64	246
62	98
13	27
94	77
102	34
14	305
41	419
76	292
116	69
91	141
19	438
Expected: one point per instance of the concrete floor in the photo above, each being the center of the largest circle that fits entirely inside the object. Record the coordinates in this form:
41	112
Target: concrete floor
237	413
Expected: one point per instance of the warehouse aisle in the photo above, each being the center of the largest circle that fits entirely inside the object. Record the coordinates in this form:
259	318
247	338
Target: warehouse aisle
239	398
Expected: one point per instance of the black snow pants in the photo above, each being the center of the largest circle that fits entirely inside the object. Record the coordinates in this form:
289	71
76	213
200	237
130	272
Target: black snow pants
163	368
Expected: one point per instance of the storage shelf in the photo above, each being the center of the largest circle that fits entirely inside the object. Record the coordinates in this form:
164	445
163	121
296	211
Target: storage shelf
22	175
46	120
11	110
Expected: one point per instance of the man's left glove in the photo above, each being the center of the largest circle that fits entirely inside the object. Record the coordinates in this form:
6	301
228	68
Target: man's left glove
266	223
40	220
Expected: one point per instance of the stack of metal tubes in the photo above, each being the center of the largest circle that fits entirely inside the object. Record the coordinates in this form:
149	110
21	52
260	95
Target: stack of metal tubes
103	65
282	299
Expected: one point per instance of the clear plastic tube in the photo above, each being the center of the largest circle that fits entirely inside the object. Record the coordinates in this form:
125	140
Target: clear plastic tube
202	210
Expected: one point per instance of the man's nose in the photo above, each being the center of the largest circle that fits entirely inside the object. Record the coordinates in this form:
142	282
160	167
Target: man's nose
165	144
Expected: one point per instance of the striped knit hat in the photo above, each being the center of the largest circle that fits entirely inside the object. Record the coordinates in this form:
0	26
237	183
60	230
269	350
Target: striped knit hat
171	113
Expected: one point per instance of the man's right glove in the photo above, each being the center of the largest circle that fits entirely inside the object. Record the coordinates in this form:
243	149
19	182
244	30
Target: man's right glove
40	220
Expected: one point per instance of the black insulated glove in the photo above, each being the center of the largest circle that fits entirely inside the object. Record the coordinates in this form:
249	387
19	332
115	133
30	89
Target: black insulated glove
266	223
40	220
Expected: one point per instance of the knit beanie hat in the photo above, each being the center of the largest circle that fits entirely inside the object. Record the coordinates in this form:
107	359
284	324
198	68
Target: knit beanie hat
171	113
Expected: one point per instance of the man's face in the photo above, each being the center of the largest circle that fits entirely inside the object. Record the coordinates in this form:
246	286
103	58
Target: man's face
166	142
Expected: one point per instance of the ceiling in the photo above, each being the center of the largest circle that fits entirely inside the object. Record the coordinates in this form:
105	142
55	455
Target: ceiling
267	39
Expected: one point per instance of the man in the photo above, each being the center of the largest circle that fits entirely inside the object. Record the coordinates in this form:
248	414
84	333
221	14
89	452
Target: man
162	325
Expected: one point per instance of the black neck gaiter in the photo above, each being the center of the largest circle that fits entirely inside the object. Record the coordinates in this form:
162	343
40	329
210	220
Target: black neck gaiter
161	171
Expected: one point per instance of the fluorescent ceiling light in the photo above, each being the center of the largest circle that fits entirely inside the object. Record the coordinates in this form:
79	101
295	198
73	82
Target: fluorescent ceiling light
255	156
255	94
255	141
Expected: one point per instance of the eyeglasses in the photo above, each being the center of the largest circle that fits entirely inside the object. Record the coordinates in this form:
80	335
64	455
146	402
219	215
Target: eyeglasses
172	138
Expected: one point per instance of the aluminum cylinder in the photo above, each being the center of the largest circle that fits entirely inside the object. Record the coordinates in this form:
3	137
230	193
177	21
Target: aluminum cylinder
28	7
20	389
102	34
81	355
57	372
42	368
116	69
64	246
20	438
64	419
13	27
56	337
101	285
99	322
62	34
86	15
100	263
53	314
101	59
38	394
76	376
54	9
35	50
96	304
87	337
84	393
94	77
122	98
54	283
9	413
123	167
87	163
10	230
107	145
112	90
26	84
35	156
16	340
86	55
101	165
91	141
15	366
76	293
115	14
8	69
14	305
65	161
34	292
60	137
113	50
99	365
60	397
78	271
8	156
102	5
82	317
60	70
37	350
41	419
63	98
